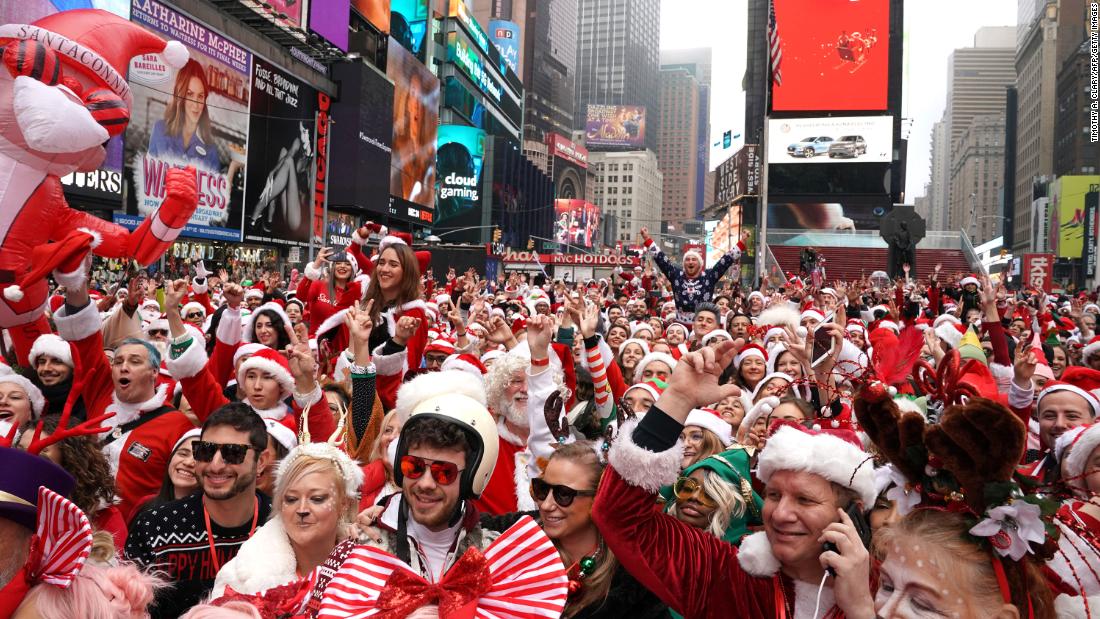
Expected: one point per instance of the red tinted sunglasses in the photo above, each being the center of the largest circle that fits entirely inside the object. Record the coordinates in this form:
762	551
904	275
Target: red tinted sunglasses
444	473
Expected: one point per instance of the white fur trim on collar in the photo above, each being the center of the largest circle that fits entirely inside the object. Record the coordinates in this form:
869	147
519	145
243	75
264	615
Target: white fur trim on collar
264	562
125	412
755	556
643	468
510	437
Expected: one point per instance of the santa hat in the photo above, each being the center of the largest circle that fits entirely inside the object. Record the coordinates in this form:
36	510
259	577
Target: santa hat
836	455
491	355
644	344
713	334
768	378
637	326
970	279
246	350
1092	348
1084	382
282	434
761	409
665	358
432	384
950	332
440	346
188	435
830	292
465	362
102	44
856	326
692	252
1081	441
160	323
193	306
440	299
889	324
775	332
51	345
38	401
812	313
750	350
653	386
756	294
534	298
423	258
270	306
269	361
710	419
676	325
253	293
66	257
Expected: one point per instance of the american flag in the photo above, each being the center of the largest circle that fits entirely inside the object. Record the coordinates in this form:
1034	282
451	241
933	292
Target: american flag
774	47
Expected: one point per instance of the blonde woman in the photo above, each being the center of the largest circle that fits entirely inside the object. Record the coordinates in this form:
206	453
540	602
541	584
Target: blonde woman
315	504
715	495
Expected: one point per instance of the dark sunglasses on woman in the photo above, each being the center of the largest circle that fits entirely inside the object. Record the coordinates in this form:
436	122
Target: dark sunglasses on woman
444	473
232	453
687	488
563	495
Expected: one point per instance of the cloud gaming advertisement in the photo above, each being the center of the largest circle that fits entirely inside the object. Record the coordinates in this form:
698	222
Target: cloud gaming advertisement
459	159
576	222
835	54
195	116
839	139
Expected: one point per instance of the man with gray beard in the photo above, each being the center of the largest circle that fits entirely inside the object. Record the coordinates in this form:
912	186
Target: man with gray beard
506	392
21	475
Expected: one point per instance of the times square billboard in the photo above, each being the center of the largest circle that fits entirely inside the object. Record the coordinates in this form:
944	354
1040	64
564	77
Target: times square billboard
836	55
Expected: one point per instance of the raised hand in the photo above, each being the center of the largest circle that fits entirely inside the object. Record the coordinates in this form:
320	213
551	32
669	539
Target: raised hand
539	331
233	295
1023	367
499	331
302	366
406	328
322	256
174	292
590	319
360	326
645	233
694	382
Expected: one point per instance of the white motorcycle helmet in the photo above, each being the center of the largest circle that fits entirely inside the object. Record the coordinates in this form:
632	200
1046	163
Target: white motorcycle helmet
481	434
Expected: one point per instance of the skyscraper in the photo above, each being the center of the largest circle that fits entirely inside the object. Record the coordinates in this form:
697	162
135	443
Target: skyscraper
547	60
677	142
617	57
698	62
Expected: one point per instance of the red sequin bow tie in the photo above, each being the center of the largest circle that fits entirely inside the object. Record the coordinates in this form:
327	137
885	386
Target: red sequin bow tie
457	594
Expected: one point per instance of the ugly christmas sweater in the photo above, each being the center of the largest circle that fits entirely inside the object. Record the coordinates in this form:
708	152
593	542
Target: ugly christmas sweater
694	290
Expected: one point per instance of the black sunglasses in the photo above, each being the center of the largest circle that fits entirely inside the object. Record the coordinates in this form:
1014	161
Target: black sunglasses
232	453
191	315
563	495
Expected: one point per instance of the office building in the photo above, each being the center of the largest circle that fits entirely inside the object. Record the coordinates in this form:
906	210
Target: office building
629	191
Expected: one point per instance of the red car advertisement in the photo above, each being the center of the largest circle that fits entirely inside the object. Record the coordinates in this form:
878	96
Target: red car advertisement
835	54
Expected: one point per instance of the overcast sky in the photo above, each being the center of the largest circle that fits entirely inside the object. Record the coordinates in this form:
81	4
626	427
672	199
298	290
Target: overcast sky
933	28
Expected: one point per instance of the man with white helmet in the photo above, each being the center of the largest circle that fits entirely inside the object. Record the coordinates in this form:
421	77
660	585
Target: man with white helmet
446	453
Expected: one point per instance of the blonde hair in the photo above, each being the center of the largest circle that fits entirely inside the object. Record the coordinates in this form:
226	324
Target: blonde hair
727	497
304	465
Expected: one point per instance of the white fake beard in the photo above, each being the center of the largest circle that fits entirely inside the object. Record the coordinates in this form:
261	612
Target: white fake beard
509	411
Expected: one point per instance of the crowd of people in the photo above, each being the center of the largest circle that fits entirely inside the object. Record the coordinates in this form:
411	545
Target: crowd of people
361	439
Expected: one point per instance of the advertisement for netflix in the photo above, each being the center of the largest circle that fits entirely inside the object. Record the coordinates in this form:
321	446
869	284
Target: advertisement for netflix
195	116
835	54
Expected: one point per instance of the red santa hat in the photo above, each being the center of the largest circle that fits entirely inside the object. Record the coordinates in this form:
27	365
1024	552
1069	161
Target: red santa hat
271	362
98	44
710	419
855	325
51	345
270	306
466	363
1081	381
66	257
653	387
159	323
440	346
812	312
970	279
193	306
253	293
423	258
665	358
246	349
836	455
1092	348
751	350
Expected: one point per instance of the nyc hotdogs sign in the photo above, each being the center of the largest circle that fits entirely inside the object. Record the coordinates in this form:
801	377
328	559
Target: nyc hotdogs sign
511	256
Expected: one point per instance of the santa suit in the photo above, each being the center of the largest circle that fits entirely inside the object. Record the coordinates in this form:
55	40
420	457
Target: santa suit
508	489
205	396
392	360
143	435
695	573
313	290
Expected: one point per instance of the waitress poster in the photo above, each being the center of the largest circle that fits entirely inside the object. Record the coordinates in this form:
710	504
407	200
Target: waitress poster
195	116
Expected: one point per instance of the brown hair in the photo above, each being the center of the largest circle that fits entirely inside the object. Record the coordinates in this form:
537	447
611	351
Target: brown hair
946	533
409	289
598	583
174	116
711	445
84	460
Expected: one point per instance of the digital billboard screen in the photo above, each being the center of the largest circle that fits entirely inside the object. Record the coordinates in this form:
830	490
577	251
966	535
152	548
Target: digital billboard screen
505	36
615	126
1068	224
409	24
852	213
839	139
377	12
278	192
836	54
576	222
193	116
329	18
415	124
459	160
360	176
723	234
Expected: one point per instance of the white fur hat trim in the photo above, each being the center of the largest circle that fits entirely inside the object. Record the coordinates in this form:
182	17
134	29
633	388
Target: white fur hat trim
711	422
51	345
665	358
831	457
38	401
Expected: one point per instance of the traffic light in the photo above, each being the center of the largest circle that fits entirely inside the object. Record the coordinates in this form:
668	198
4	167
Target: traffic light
530	244
496	235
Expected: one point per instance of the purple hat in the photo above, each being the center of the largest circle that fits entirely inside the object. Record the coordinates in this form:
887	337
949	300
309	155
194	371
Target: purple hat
21	474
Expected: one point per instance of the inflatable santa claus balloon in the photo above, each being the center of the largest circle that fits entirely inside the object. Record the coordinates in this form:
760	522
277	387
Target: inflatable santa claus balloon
63	94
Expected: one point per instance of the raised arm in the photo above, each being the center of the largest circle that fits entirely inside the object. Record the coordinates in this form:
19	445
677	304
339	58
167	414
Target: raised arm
670	270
